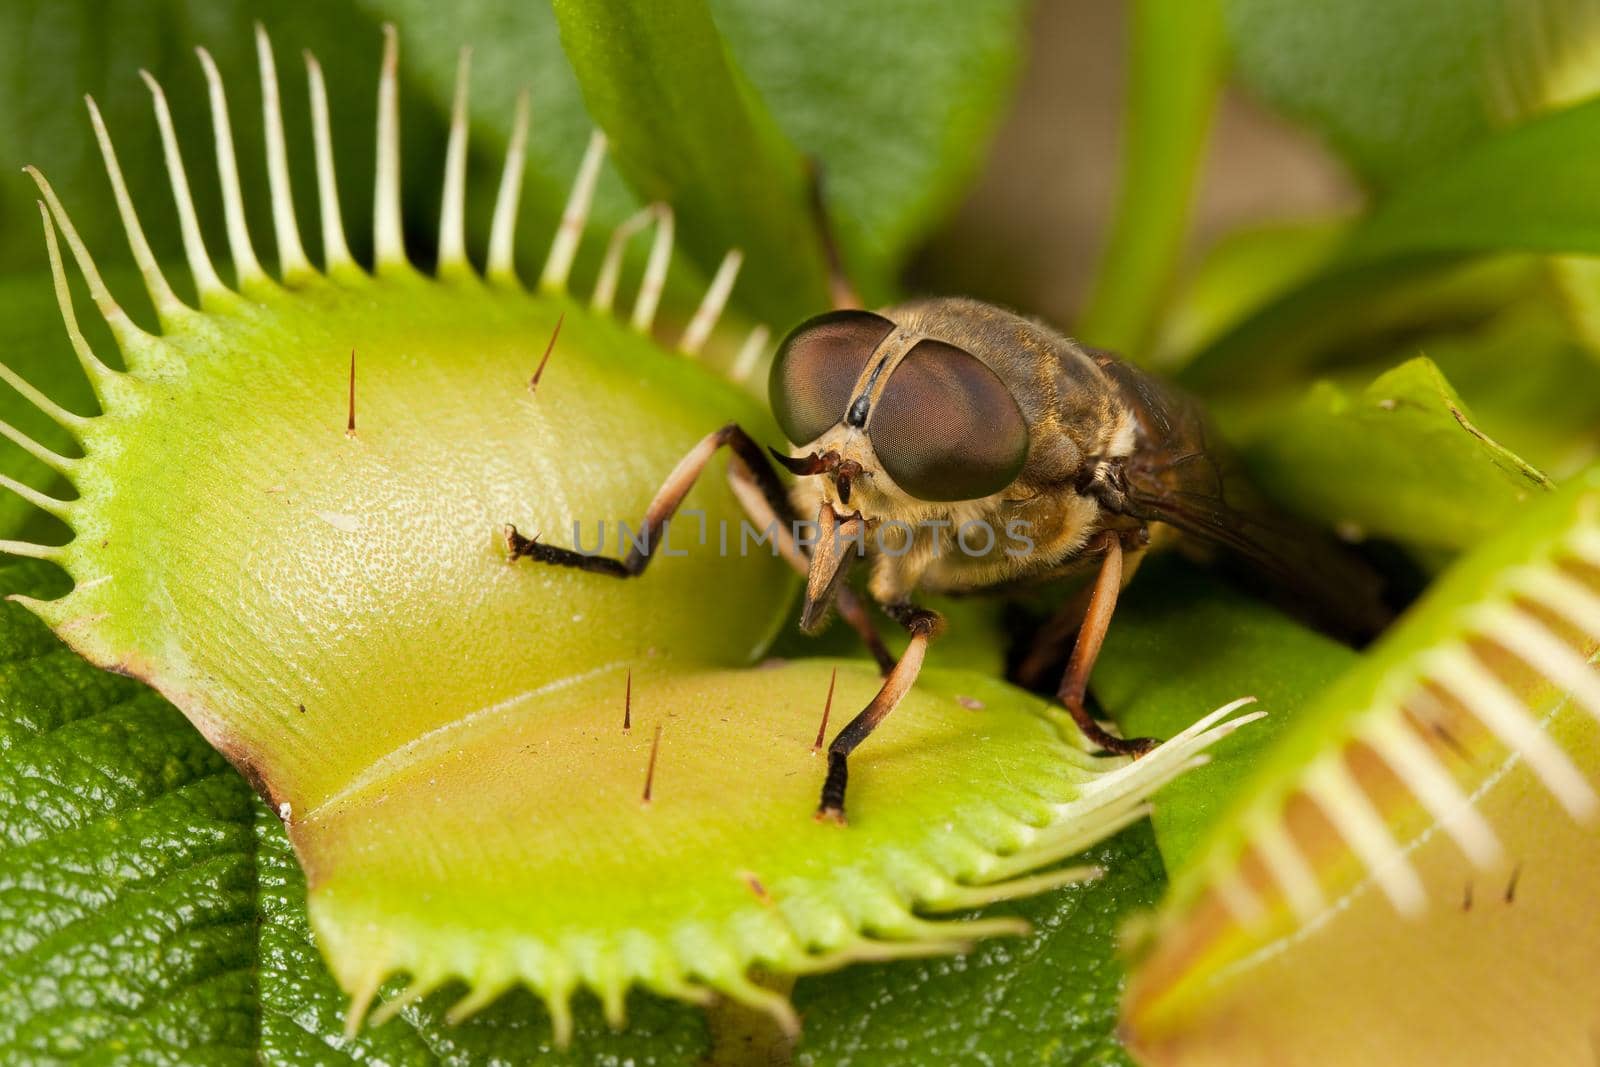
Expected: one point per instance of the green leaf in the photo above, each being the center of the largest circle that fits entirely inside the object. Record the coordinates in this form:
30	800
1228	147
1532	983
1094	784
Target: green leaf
1394	87
1236	275
1048	997
1530	384
689	130
1482	201
1400	460
126	881
894	160
1176	61
1214	645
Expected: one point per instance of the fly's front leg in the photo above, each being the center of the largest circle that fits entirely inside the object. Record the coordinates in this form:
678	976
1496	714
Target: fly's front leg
1074	686
765	501
923	625
656	516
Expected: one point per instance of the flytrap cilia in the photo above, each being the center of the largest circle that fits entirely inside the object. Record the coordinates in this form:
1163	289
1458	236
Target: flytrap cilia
959	447
498	776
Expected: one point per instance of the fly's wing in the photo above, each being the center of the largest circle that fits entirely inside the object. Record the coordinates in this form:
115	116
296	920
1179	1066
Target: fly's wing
1181	474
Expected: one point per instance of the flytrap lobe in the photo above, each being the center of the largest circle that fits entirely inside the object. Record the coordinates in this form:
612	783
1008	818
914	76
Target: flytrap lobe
1457	761
289	521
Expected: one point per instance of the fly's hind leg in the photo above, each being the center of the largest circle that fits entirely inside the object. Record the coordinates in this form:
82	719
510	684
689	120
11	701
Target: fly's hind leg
923	625
1074	686
758	488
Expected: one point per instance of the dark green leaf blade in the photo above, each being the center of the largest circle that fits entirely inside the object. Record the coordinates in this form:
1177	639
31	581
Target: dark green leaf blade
896	98
687	129
127	912
1533	188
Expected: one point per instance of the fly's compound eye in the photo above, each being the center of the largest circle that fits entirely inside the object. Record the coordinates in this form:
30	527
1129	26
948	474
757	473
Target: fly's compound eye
946	426
816	367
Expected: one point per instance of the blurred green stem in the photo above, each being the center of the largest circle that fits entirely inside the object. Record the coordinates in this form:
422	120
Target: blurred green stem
1174	75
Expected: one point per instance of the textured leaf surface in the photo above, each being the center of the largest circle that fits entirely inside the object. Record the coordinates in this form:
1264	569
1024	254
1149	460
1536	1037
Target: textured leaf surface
126	879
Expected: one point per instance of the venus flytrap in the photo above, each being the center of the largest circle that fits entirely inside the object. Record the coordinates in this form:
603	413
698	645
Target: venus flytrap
288	521
1454	760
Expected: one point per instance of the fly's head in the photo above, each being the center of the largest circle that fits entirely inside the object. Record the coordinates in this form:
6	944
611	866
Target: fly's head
888	426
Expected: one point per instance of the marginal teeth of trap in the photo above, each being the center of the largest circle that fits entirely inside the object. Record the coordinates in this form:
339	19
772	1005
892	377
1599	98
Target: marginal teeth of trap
1585	544
502	231
564	249
1519	619
1288	867
61	416
453	209
1475	688
245	264
96	371
335	249
710	309
1236	896
1330	786
388	233
291	253
750	353
161	294
126	333
1529	640
1415	764
54	460
605	284
206	279
1148	773
1562	594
